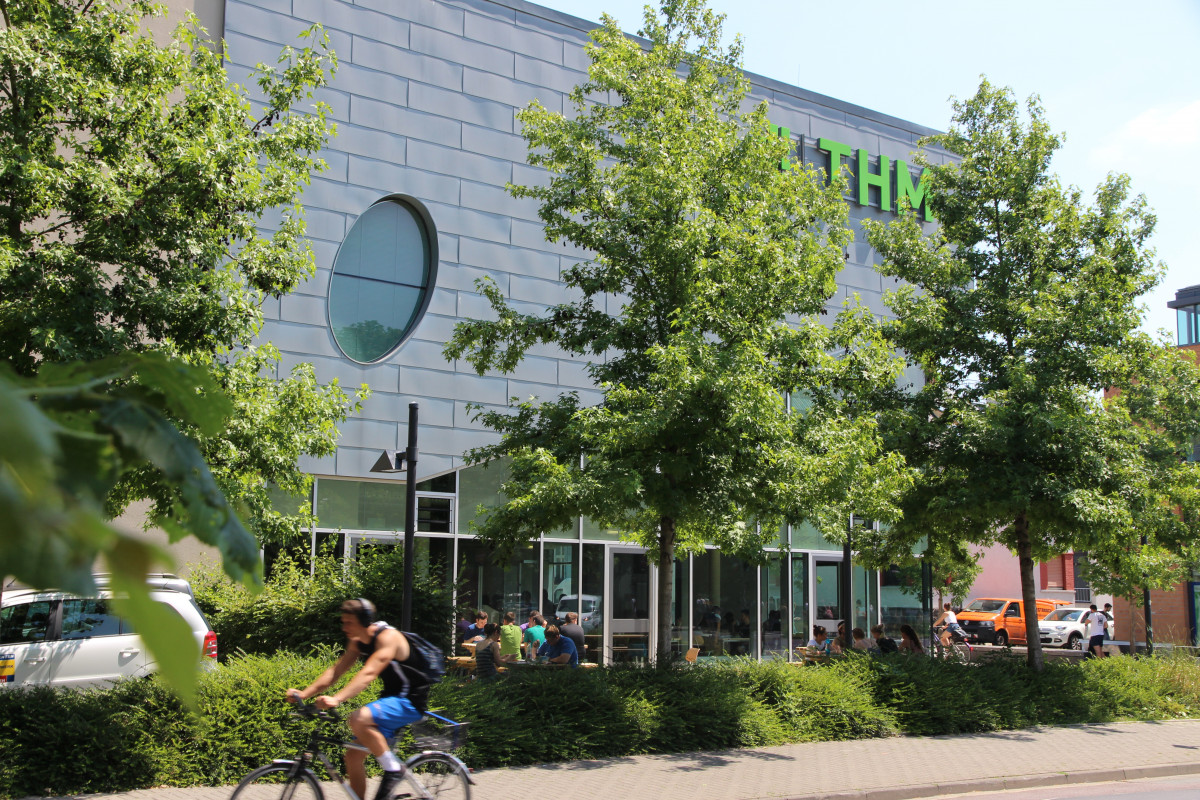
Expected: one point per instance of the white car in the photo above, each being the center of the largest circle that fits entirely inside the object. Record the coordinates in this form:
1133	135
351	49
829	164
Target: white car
1063	627
586	605
58	639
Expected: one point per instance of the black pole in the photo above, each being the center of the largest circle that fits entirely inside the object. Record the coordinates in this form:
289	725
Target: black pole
848	589
927	594
1146	610
410	518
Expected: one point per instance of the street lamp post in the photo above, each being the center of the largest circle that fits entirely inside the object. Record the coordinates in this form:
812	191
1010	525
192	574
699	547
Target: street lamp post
392	461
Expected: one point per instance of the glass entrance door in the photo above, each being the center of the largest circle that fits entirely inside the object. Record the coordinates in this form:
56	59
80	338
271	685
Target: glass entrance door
627	603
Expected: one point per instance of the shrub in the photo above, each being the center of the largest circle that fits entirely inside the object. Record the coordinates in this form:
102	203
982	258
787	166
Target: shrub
297	610
136	734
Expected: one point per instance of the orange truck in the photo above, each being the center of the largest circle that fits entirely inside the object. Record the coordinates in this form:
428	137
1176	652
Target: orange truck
1000	620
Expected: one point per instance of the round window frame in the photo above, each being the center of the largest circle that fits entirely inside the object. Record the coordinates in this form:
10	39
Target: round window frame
425	220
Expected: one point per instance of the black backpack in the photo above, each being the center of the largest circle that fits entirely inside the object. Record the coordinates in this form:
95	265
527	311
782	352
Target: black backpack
425	657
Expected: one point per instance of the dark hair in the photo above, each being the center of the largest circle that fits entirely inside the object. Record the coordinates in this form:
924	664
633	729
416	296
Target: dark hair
572	617
538	619
362	608
907	632
877	630
552	631
859	633
511	616
946	606
818	630
481	614
489	630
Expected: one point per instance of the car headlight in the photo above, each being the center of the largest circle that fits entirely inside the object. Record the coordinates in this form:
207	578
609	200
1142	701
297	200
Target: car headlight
1060	627
987	624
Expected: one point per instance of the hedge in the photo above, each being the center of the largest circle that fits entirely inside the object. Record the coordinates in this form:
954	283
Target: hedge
137	735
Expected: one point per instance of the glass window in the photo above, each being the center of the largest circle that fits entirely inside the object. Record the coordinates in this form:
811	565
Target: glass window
495	588
1188	318
806	537
800	616
726	604
382	276
25	622
866	598
443	484
361	505
773	609
479	486
900	598
829	594
560	583
83	619
592	579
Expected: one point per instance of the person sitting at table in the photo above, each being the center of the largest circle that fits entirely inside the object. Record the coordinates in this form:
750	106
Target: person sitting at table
909	642
535	635
861	642
821	642
558	649
487	653
475	632
573	630
510	638
886	644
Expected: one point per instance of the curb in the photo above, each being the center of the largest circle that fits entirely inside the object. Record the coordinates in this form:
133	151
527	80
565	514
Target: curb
1000	784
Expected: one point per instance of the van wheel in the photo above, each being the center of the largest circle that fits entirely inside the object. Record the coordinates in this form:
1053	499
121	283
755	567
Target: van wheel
1073	642
1002	639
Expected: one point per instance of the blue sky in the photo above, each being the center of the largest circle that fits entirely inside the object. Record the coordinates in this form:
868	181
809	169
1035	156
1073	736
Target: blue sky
1121	80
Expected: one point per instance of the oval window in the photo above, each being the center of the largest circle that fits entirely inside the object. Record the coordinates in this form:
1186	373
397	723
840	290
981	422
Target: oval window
382	279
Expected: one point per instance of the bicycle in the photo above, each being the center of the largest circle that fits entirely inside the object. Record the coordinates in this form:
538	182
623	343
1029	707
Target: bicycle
959	648
430	774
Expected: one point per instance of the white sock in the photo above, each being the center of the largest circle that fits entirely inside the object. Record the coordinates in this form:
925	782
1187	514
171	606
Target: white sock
389	761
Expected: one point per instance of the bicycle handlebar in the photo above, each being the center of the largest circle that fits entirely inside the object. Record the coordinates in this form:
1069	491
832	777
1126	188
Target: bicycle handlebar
310	711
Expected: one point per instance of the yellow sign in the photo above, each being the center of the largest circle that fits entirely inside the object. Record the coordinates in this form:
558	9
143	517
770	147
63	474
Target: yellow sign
8	667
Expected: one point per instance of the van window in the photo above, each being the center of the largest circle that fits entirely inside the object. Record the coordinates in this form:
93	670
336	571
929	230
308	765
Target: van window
25	622
83	619
986	606
1014	610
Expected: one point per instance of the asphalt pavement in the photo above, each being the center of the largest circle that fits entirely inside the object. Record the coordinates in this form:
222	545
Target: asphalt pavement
869	769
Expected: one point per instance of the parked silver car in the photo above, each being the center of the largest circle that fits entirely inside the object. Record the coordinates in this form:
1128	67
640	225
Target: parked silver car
58	639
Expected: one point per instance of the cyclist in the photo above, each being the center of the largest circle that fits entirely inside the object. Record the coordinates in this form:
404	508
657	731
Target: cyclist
384	651
950	620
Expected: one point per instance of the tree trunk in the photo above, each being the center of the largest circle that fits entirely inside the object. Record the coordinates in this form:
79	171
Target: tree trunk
666	587
1033	639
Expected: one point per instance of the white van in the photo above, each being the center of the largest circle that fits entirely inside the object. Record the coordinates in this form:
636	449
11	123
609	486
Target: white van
58	639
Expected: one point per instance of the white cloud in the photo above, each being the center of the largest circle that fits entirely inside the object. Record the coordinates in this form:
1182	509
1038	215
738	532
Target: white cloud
1143	141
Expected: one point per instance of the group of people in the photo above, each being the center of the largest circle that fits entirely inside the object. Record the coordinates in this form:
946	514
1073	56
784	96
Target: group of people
496	645
879	642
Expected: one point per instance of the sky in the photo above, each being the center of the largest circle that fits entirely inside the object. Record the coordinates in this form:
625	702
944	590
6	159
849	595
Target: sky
1120	80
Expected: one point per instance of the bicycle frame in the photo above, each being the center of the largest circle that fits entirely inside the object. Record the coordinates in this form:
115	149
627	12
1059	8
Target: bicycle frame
313	751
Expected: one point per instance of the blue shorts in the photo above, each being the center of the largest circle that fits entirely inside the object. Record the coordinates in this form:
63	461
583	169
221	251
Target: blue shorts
390	714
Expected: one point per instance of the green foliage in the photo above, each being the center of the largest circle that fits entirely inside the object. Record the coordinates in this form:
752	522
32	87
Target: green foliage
138	735
698	310
1026	312
136	178
297	611
66	436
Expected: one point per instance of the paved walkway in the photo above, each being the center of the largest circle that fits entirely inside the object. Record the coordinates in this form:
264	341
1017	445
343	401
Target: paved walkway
872	769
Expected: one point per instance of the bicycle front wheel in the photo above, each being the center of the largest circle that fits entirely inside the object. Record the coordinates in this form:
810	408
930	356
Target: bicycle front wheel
278	782
442	777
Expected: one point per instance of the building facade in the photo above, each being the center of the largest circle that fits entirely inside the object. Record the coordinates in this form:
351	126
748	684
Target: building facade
412	210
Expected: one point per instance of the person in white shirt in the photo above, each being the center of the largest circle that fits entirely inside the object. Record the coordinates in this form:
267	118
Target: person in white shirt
1097	626
950	620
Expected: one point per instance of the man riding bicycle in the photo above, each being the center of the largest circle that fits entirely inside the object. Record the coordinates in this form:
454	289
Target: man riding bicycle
384	651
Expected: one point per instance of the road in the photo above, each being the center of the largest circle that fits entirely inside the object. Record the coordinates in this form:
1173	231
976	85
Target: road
1172	788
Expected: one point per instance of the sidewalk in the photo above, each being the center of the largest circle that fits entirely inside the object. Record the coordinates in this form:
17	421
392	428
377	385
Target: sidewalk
870	769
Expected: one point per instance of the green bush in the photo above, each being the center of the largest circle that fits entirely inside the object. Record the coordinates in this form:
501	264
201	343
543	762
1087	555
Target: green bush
297	611
136	734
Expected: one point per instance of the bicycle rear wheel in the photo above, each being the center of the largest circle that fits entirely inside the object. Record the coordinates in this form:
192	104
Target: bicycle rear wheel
443	777
278	782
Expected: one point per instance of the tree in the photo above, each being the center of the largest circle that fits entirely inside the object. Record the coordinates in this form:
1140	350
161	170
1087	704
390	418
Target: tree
1021	310
720	263
66	437
133	179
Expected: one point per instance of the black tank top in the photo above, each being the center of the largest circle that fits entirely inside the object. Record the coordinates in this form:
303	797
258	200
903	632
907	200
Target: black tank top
399	679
